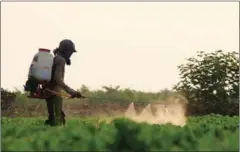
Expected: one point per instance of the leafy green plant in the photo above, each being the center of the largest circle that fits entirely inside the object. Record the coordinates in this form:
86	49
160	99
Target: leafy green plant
210	132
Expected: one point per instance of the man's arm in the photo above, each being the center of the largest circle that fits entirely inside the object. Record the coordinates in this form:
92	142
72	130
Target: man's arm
58	77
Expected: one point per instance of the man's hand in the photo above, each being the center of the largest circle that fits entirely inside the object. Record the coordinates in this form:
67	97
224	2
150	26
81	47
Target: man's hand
76	94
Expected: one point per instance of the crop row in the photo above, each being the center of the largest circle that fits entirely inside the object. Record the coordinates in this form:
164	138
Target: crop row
213	132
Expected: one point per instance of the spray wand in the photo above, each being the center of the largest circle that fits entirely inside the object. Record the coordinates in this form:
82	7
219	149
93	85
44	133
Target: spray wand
101	98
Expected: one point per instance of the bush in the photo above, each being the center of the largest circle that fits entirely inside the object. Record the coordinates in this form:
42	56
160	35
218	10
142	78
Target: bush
7	98
210	82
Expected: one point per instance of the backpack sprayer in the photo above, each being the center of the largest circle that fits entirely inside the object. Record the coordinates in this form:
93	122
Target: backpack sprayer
40	73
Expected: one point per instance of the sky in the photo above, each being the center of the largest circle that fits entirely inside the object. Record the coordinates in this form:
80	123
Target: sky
133	45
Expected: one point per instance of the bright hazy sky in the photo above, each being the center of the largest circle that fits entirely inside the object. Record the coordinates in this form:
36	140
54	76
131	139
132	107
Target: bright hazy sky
135	45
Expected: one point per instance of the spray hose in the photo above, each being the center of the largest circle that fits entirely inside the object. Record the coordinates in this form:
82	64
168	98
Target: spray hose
101	98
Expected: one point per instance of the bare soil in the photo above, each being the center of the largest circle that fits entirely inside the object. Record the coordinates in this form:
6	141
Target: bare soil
73	109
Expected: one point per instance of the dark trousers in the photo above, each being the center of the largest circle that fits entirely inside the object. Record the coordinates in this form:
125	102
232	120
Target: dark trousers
56	115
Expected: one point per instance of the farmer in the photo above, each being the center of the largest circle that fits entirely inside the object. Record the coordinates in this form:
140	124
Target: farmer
62	54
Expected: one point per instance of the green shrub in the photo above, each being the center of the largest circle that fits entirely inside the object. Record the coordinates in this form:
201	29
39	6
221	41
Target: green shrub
210	82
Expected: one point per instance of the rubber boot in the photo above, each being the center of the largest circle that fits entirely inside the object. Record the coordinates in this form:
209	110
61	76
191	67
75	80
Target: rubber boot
49	121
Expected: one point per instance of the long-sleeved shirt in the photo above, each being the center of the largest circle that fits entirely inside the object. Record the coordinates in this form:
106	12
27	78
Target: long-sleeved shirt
58	71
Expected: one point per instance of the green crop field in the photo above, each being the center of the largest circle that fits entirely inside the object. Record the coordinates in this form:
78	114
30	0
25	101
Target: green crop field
211	132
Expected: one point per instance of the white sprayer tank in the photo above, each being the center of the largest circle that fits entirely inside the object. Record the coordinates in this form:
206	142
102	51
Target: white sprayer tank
41	67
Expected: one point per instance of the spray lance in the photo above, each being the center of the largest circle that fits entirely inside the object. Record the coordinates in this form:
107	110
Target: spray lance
101	98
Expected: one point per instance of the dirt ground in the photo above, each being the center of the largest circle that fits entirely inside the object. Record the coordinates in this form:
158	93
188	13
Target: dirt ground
105	109
89	108
155	113
74	109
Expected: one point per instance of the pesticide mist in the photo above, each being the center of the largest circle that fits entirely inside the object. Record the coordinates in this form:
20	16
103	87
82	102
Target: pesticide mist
172	111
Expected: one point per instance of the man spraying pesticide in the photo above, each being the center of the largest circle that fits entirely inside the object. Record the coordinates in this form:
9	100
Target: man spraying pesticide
46	80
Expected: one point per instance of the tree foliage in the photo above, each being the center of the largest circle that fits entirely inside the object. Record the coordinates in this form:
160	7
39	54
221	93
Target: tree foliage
7	98
115	92
210	82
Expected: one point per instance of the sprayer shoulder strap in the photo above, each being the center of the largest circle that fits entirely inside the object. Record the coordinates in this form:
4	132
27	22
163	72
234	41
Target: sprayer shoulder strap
53	68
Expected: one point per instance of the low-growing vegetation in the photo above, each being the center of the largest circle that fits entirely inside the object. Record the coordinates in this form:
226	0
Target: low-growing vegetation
211	133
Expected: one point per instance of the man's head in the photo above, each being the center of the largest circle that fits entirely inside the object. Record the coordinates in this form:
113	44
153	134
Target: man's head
67	48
